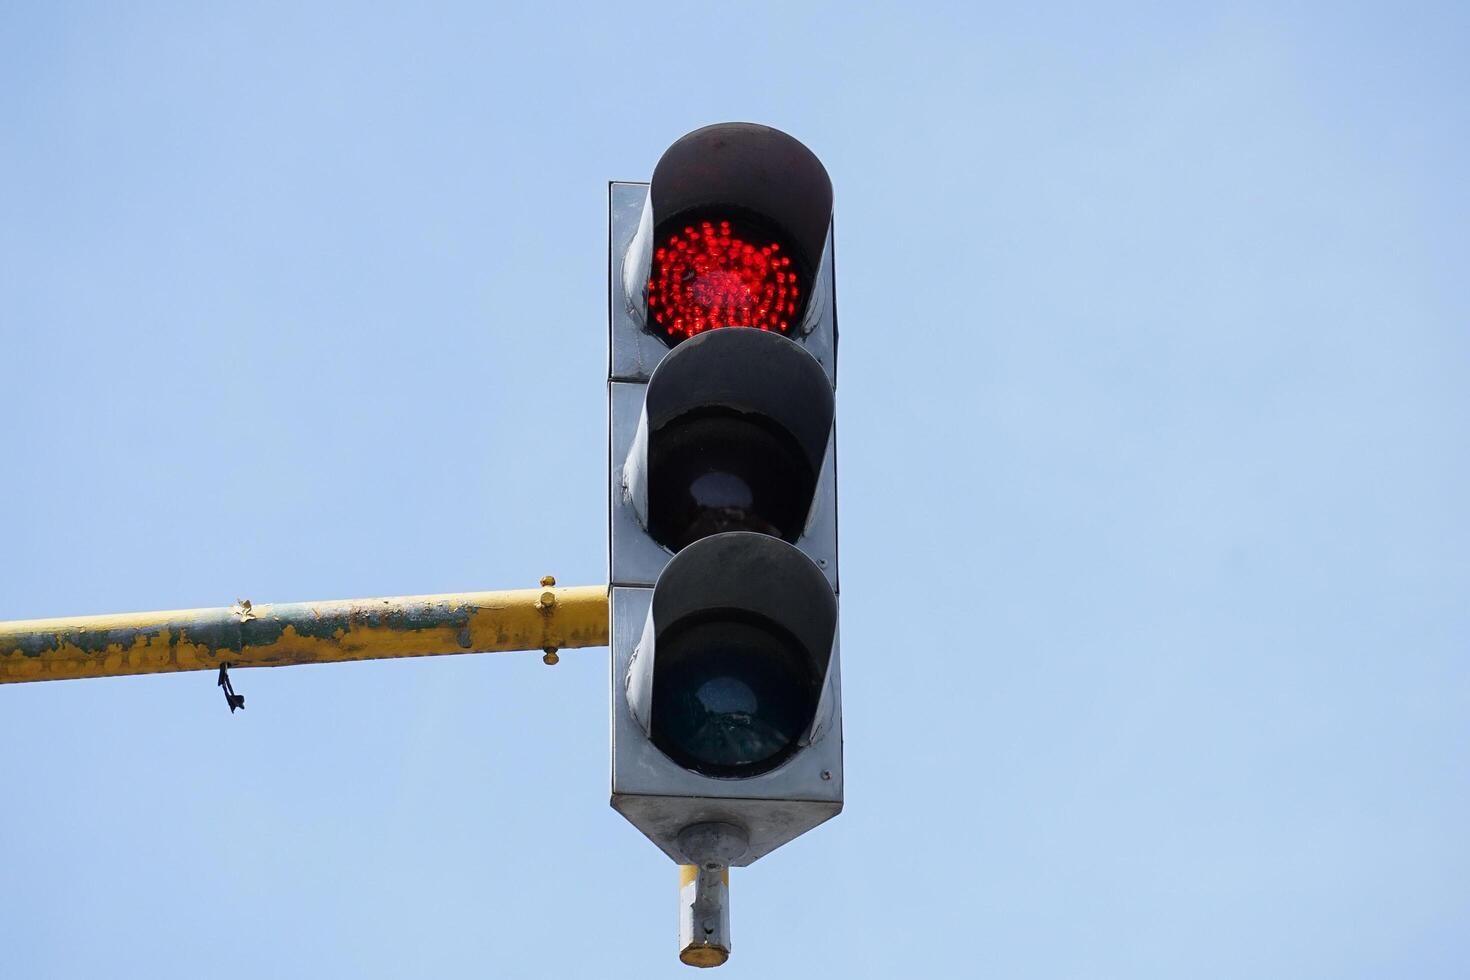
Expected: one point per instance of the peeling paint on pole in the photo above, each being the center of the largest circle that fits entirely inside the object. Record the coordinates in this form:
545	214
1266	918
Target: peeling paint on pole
247	635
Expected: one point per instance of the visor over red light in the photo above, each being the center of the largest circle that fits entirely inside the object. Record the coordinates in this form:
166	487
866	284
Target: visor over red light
712	274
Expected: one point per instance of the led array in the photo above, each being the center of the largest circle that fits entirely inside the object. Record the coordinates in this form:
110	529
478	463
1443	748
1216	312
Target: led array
705	277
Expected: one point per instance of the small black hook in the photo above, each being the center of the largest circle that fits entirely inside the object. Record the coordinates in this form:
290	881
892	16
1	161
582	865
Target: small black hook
231	698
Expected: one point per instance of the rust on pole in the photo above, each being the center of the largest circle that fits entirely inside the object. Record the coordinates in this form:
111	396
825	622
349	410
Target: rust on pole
277	635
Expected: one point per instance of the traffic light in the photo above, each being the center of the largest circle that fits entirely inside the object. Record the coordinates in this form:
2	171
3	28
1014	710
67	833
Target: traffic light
726	701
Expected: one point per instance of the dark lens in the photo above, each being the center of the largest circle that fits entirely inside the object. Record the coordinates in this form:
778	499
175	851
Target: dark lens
726	472
730	696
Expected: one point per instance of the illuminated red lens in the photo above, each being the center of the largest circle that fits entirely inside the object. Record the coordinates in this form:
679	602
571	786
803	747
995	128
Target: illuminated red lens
707	275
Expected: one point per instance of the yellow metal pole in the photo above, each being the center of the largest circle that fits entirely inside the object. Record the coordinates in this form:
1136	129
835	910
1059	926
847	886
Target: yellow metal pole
247	635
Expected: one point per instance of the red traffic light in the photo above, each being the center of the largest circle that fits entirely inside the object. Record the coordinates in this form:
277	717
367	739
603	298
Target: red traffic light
733	233
720	273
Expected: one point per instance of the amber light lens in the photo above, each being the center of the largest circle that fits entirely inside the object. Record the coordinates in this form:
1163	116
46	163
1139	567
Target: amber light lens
721	273
726	472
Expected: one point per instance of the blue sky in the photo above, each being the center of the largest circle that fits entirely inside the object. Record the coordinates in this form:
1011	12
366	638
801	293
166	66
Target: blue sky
1154	432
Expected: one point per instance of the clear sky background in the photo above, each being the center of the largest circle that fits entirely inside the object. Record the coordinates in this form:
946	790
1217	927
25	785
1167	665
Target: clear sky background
1155	456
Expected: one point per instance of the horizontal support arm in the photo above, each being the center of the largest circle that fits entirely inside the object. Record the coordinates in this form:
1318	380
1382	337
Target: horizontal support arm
277	635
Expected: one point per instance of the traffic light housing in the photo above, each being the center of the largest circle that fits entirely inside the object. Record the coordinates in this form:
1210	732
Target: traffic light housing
726	696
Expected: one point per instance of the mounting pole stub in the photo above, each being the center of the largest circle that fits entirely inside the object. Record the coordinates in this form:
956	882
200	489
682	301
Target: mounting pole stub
704	891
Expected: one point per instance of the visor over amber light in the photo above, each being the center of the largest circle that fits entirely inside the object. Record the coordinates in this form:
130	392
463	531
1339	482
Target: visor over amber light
733	435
